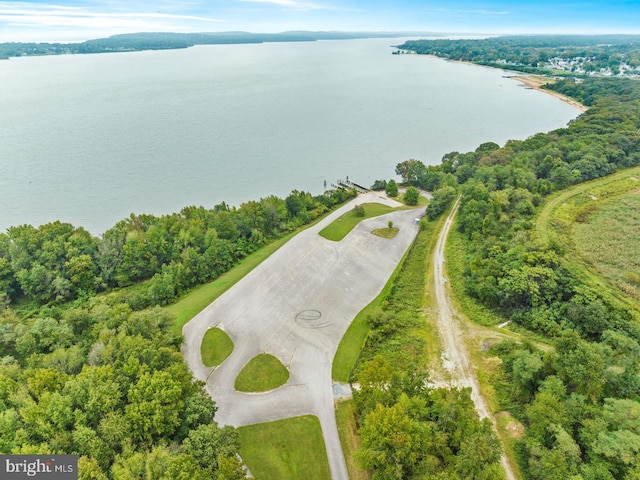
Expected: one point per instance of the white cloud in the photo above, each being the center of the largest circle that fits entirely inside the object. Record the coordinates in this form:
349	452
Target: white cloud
27	17
463	12
293	4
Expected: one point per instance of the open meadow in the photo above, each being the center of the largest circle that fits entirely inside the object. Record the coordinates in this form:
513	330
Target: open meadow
608	238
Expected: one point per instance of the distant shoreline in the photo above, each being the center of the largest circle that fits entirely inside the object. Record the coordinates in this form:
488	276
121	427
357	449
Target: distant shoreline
533	81
137	42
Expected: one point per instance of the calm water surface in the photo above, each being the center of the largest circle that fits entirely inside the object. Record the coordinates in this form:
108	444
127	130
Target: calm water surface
88	139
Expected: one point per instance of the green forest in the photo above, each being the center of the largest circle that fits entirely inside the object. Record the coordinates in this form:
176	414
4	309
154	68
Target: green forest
89	364
130	42
573	381
543	54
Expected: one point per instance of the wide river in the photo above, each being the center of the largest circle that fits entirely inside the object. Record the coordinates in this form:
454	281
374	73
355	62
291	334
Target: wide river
88	139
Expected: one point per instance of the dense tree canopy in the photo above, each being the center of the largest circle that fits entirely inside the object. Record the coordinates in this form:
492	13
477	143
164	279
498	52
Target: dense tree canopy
58	262
569	54
110	385
570	399
101	376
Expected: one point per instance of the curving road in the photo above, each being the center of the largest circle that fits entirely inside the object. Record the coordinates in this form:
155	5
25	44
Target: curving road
455	358
297	305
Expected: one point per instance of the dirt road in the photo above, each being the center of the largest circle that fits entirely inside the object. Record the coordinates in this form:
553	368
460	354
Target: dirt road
455	359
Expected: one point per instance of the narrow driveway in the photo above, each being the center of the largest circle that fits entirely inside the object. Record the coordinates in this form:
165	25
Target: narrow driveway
297	305
455	358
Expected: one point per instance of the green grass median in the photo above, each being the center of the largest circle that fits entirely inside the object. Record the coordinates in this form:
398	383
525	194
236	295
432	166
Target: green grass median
215	348
264	372
341	227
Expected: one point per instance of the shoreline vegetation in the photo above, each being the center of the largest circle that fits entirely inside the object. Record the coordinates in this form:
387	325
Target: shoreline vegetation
539	61
136	42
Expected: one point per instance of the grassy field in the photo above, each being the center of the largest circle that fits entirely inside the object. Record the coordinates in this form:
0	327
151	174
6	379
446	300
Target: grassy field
608	239
215	348
290	449
567	210
339	228
264	372
555	220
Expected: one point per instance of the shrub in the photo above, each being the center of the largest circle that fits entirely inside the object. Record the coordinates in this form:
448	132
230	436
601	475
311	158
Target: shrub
391	188
411	196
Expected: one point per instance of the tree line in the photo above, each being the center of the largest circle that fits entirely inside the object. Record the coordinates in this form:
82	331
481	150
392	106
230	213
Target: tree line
580	400
58	262
536	53
110	385
129	42
101	376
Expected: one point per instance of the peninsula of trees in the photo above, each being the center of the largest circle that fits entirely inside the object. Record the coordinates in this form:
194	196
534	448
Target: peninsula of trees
132	42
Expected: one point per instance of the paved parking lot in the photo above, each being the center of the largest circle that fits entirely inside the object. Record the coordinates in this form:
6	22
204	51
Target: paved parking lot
297	305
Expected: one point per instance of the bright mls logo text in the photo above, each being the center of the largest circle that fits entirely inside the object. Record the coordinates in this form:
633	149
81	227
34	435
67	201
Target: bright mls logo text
49	467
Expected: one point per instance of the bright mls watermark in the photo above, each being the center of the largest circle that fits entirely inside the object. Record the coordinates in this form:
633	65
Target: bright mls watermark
43	467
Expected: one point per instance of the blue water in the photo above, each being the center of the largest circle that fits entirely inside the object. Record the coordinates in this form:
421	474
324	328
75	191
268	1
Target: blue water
88	139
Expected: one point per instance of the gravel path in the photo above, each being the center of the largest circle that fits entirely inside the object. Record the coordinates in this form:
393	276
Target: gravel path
455	358
297	305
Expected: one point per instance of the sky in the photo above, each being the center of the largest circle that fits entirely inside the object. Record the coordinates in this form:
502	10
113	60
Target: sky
77	20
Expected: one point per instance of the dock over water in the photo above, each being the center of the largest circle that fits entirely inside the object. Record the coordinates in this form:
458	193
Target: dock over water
349	184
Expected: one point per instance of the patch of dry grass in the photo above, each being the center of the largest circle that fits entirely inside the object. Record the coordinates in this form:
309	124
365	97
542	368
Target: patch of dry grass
386	232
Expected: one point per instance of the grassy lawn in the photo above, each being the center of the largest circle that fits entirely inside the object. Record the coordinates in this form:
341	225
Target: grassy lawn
290	449
264	372
349	439
608	239
216	347
339	229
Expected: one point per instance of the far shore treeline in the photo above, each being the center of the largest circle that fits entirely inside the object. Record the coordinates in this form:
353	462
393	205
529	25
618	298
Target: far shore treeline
542	54
131	42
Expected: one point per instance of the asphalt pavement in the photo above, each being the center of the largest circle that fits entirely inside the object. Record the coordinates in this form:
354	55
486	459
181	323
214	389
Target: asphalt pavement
297	305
